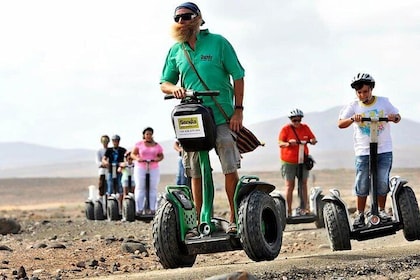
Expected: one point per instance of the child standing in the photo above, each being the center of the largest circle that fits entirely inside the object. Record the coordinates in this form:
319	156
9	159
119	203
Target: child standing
127	179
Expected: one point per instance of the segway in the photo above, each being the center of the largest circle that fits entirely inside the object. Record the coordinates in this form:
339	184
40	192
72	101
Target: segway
405	210
129	204
315	199
258	217
113	207
147	214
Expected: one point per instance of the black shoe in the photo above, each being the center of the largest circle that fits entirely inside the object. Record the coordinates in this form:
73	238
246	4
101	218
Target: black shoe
359	221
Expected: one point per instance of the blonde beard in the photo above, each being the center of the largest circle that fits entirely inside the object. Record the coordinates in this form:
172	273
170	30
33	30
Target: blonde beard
184	32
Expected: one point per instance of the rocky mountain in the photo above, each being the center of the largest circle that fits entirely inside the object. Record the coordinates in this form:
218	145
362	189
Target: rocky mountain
333	151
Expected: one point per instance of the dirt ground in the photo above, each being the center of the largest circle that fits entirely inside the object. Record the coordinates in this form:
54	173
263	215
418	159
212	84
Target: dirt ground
57	242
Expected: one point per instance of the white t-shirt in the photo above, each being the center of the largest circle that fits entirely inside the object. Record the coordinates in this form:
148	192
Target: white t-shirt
381	107
99	155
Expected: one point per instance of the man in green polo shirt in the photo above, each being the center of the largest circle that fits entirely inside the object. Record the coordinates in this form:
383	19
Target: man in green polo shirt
216	62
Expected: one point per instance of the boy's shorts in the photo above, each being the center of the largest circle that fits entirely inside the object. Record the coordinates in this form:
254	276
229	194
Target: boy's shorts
362	182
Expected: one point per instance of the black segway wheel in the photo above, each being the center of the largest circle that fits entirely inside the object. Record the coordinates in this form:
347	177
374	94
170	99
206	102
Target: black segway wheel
170	250
112	210
98	211
129	210
337	226
319	222
410	215
89	210
260	226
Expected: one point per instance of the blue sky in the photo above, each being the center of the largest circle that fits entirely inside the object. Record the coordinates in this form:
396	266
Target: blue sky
71	71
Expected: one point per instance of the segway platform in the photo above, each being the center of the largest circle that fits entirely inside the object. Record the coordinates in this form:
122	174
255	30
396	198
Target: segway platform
218	241
371	231
301	219
145	217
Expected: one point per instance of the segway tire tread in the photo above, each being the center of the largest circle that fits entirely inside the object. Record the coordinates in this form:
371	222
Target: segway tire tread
319	222
170	250
129	210
89	211
98	211
337	226
410	214
282	211
112	210
260	226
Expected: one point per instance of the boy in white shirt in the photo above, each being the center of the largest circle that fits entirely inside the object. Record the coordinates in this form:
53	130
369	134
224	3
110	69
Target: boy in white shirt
368	105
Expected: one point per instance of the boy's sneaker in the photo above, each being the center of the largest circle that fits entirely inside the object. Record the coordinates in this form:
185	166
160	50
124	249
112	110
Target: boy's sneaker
384	216
359	221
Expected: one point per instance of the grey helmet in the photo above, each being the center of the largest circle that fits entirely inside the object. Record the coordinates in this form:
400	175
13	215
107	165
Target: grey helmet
362	78
295	113
116	137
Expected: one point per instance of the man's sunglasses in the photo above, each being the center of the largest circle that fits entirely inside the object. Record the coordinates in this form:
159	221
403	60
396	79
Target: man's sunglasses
296	120
188	16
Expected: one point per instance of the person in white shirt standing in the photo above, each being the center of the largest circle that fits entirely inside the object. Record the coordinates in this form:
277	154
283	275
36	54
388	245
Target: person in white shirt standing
369	105
102	170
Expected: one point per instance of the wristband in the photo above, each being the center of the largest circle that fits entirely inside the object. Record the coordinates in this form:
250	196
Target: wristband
352	119
239	107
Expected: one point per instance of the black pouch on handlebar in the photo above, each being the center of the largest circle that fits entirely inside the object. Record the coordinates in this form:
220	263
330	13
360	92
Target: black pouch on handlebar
194	127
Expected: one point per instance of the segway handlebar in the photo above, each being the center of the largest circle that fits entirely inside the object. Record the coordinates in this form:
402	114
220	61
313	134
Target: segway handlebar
196	93
303	142
375	119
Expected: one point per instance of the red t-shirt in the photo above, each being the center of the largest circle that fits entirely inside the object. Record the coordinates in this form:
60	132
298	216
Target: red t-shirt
290	154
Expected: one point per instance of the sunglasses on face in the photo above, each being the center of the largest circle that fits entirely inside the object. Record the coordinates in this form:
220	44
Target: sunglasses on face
296	120
188	16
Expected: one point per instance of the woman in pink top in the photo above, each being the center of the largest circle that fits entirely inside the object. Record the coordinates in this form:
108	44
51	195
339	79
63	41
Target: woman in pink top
144	151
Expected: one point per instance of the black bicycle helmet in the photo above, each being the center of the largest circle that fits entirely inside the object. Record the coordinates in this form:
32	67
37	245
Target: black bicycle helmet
362	79
295	113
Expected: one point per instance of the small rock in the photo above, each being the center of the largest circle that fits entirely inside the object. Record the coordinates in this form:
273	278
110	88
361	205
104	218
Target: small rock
39	246
38	271
115	267
54	237
5	248
323	246
9	226
131	247
81	264
21	273
57	246
93	263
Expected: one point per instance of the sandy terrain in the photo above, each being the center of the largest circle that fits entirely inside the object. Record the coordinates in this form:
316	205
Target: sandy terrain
57	242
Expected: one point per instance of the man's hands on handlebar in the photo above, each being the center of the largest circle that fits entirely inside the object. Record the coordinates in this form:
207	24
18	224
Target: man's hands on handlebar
179	92
294	142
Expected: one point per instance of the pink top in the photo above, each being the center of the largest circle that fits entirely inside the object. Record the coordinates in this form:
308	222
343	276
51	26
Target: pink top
148	153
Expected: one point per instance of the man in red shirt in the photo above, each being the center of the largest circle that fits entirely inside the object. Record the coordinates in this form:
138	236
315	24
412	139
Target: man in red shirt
290	136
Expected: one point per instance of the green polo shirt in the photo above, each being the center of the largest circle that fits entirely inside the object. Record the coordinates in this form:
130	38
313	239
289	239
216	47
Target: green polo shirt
215	61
